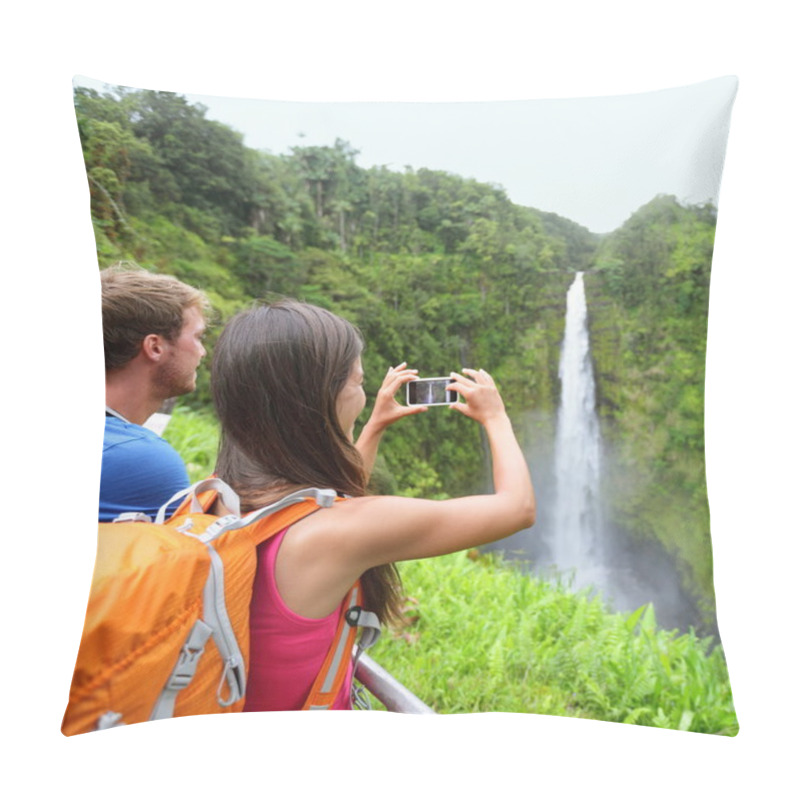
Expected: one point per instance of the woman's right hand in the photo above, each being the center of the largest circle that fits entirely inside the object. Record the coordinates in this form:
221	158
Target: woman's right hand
481	399
387	410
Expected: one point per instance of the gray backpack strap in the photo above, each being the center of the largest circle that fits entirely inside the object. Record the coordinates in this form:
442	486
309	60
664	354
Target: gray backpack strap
358	617
216	623
215	613
111	719
370	633
132	516
184	670
227	495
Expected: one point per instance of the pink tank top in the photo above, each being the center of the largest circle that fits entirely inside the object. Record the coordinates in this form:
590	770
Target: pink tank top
286	650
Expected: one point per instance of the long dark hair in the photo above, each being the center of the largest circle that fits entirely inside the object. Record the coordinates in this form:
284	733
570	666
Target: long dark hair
276	374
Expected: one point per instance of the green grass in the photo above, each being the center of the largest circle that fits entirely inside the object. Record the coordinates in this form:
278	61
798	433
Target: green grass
481	635
195	435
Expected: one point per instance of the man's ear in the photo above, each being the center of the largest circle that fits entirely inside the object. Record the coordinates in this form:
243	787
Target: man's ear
153	347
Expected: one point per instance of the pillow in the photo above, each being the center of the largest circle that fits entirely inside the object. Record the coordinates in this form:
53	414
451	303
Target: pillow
566	246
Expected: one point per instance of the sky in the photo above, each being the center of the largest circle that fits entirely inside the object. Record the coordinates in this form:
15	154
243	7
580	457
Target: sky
592	160
422	51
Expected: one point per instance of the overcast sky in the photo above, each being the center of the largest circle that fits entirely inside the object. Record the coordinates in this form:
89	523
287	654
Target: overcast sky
592	160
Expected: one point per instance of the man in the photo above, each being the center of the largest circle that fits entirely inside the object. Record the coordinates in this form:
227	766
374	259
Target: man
152	337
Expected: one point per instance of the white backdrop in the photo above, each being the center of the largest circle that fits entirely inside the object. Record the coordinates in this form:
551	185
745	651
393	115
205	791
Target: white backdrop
430	51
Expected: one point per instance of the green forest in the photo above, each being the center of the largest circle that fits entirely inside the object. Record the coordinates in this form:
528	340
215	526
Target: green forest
437	270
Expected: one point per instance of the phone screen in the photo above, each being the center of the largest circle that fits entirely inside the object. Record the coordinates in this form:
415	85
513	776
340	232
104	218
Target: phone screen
430	392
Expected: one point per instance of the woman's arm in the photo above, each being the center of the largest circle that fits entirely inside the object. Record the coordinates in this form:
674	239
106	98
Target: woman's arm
325	553
397	528
385	412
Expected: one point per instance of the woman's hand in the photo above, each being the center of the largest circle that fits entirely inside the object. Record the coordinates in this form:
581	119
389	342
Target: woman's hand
387	410
481	400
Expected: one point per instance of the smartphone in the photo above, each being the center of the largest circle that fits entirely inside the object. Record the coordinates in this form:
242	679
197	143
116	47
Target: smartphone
430	392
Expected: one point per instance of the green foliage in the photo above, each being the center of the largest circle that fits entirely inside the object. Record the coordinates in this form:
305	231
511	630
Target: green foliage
266	266
437	270
648	300
195	435
482	635
578	248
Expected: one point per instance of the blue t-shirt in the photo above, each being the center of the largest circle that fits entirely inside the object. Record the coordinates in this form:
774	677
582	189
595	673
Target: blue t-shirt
140	470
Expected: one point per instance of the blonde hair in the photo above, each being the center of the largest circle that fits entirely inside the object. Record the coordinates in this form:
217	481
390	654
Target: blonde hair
137	303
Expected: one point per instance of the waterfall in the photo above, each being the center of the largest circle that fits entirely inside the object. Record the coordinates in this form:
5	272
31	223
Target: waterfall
577	534
576	541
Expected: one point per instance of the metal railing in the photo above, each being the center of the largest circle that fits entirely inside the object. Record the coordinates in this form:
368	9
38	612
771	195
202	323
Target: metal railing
386	688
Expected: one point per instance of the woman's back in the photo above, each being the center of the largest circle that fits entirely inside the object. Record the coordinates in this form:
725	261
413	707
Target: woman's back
287	650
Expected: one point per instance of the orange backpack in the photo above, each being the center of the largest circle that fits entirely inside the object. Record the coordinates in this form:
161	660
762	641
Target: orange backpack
167	624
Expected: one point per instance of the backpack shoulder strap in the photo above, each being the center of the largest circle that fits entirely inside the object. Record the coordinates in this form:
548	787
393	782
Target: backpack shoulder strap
333	672
205	500
199	498
261	529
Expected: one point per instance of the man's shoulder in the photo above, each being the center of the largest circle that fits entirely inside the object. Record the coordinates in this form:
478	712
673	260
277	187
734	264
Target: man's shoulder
140	470
122	435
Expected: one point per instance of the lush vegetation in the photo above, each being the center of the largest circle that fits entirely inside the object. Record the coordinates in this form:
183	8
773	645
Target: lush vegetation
195	435
445	272
437	270
480	635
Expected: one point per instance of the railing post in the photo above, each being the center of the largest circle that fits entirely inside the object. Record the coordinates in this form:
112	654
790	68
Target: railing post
386	688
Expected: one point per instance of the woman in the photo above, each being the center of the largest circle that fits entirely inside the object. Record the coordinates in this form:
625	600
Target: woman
287	384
